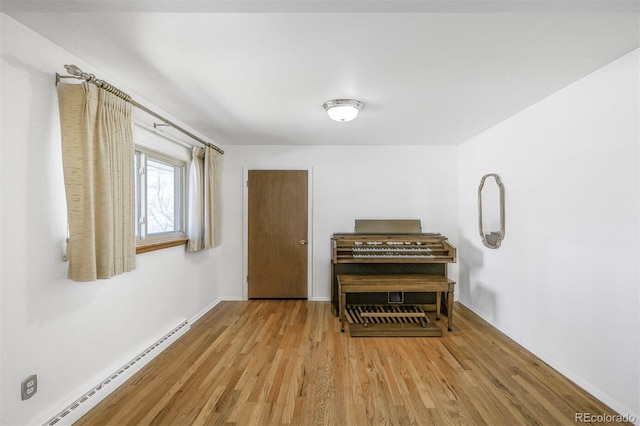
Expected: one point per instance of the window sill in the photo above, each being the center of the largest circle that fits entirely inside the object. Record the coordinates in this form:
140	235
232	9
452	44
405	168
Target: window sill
159	245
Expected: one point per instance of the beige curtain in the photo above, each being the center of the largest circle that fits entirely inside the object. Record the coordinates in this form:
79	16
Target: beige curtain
204	223
98	163
195	223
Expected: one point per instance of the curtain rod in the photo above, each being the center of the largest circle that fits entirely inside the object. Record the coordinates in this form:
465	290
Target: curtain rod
77	73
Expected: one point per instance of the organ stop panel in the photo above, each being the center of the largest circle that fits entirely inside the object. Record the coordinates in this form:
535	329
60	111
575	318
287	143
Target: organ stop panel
386	274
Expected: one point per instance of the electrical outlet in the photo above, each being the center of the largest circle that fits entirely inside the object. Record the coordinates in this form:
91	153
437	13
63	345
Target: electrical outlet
29	387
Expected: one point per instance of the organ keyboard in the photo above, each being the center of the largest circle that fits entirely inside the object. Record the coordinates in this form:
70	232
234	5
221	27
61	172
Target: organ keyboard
413	256
428	248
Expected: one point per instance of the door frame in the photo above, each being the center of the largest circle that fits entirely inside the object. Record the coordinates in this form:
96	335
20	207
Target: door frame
245	227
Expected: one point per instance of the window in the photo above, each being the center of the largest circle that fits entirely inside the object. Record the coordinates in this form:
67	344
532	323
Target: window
160	197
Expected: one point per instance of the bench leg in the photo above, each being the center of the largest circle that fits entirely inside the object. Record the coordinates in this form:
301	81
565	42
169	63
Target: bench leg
343	306
438	303
450	308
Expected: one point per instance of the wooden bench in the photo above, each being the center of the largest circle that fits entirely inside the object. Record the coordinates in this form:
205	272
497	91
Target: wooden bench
384	283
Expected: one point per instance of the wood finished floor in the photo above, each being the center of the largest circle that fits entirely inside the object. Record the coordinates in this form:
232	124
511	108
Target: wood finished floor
286	362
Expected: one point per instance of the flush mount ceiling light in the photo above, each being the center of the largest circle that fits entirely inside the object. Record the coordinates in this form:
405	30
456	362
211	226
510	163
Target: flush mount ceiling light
343	110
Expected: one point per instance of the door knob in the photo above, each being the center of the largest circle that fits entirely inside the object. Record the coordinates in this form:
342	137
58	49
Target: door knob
303	242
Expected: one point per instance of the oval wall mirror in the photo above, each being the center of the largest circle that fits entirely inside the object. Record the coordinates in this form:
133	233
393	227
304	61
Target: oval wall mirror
491	210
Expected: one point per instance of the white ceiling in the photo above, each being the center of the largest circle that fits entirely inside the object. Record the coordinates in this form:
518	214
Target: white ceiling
258	72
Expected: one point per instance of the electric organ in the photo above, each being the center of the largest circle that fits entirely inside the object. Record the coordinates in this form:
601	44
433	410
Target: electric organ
387	274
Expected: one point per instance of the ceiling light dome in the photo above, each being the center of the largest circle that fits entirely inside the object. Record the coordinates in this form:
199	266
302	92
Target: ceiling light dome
343	110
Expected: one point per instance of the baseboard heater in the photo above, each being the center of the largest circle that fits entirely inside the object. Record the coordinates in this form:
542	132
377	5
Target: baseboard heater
86	402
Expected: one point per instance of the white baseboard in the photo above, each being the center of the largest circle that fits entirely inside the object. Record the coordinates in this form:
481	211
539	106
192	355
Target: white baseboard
200	314
86	402
628	414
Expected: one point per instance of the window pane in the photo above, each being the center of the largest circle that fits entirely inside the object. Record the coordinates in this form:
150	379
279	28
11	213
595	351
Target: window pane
163	197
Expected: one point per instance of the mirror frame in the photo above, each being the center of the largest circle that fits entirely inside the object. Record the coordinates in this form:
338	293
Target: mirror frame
494	239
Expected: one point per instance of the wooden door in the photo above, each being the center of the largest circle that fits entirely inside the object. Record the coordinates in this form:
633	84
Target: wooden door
277	235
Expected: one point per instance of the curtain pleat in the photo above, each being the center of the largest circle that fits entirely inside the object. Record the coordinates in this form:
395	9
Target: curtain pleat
212	187
98	163
204	229
195	224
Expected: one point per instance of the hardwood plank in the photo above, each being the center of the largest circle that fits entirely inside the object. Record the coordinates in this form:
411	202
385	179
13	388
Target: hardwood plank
285	362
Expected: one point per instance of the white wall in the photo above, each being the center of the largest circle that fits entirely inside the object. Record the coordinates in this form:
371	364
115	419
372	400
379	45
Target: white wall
71	334
565	282
348	183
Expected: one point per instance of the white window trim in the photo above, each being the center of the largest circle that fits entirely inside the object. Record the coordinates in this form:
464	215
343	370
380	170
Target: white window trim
157	240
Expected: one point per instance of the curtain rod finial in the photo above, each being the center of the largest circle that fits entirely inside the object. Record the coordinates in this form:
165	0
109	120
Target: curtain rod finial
73	70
